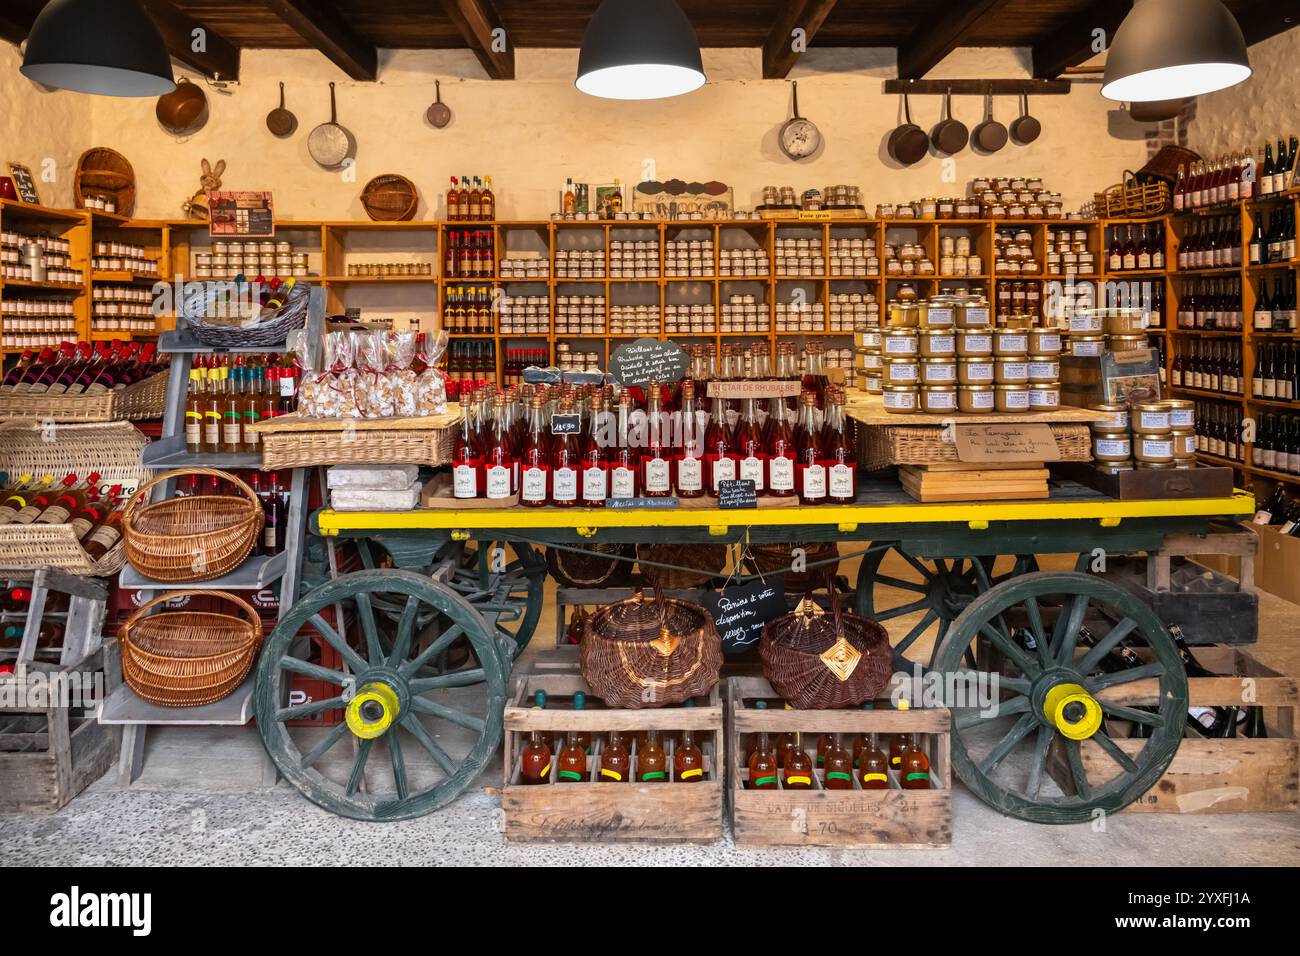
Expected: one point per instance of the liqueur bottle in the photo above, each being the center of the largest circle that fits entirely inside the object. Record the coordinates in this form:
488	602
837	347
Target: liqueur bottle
566	462
810	463
688	760
466	460
535	460
780	448
873	766
719	452
651	762
751	462
623	466
798	767
571	764
615	759
689	458
762	762
595	463
840	459
838	767
535	760
499	459
656	461
914	773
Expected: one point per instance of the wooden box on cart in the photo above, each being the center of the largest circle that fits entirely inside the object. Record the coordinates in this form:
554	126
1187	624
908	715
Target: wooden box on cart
591	812
1229	775
836	818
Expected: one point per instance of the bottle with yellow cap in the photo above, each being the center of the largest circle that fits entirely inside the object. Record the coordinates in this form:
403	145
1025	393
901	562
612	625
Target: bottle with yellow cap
688	760
615	759
798	767
535	761
899	744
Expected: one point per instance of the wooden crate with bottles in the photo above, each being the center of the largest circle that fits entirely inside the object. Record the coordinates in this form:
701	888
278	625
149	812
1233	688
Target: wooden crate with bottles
871	776
1239	753
577	771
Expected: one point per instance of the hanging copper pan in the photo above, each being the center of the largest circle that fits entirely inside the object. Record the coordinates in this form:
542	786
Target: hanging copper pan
182	110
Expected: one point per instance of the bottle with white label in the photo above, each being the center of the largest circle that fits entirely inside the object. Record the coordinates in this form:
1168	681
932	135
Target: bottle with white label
623	460
499	459
657	458
780	449
535	460
719	451
751	460
566	463
466	460
810	468
840	459
595	459
689	459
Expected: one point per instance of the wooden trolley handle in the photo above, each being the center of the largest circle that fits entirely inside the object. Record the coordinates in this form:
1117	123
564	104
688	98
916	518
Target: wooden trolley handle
254	618
144	489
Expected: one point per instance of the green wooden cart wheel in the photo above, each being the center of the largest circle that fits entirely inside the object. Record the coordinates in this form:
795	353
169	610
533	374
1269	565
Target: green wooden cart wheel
390	701
507	592
1026	758
939	589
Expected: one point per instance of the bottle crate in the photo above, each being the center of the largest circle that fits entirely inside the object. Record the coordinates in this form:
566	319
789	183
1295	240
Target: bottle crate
610	812
837	818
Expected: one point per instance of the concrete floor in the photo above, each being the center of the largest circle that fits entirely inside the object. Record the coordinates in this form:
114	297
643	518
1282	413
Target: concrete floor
199	801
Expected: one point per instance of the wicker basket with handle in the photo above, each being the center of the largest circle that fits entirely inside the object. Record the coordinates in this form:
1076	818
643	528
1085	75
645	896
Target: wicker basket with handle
293	441
696	564
651	652
819	661
1131	199
194	538
189	658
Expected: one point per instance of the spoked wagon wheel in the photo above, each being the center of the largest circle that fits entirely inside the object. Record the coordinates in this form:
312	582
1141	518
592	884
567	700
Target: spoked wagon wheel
936	589
424	738
507	592
1050	717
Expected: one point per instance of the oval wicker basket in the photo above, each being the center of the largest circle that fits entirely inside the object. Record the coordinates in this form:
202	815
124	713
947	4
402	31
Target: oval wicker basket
596	566
704	561
390	198
272	331
651	652
194	538
777	559
819	661
189	658
105	172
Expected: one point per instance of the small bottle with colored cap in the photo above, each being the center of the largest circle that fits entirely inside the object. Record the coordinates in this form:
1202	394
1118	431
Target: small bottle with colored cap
762	763
651	761
535	760
838	769
915	772
899	744
615	759
584	738
798	767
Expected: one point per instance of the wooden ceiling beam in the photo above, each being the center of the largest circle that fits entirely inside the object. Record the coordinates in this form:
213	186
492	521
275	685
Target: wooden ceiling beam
780	50
478	22
321	25
215	57
1074	42
934	40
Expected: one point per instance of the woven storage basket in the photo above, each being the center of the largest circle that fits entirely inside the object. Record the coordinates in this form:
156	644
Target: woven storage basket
390	198
707	560
882	446
590	568
189	658
105	172
271	331
777	558
194	538
819	661
651	652
1164	164
139	402
292	441
112	449
1131	199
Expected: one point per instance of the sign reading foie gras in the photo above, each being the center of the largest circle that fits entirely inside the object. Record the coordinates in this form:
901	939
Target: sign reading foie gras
249	215
648	360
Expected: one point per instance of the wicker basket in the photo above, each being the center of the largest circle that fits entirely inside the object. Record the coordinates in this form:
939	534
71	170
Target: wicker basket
292	441
818	661
189	658
1132	199
272	331
194	538
390	198
138	402
776	559
1164	164
105	172
651	652
883	446
708	560
113	449
590	568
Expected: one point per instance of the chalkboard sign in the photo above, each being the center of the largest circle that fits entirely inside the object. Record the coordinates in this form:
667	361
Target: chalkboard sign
738	493
623	504
740	612
648	360
566	424
24	184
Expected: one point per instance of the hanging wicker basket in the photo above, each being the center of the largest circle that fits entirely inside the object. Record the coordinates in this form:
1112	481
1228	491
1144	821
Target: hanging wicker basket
390	198
194	538
596	566
820	661
777	559
105	172
189	658
651	652
696	564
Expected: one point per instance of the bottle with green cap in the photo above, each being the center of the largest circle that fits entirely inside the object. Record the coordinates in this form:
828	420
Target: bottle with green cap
651	761
762	763
584	738
535	760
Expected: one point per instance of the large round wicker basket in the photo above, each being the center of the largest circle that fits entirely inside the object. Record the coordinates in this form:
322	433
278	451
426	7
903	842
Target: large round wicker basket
818	660
194	538
596	566
390	198
703	562
105	172
779	558
189	658
651	652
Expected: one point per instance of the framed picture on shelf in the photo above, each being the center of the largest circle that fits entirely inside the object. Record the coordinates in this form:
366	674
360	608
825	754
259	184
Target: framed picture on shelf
249	215
25	184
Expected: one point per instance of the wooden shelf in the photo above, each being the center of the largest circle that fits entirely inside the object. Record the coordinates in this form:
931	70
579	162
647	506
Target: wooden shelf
1288	406
43	286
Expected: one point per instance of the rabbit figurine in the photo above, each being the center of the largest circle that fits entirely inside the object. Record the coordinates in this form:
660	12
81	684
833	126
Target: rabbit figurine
196	207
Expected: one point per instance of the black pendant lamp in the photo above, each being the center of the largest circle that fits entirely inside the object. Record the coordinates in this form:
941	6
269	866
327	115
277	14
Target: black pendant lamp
107	47
639	50
1172	49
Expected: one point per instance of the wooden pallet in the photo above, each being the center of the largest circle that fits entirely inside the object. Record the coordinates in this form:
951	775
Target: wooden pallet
592	812
1232	775
837	818
974	482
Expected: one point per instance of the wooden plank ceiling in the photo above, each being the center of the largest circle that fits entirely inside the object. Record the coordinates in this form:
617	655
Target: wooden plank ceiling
349	32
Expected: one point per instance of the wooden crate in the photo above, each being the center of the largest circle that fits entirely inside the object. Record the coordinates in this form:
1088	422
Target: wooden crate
1233	775
591	812
838	818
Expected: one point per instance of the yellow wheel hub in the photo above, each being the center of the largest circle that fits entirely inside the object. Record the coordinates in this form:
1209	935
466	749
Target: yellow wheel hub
372	711
1073	711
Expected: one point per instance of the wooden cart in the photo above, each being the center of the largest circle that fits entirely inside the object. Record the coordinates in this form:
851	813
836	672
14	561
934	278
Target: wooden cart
479	575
